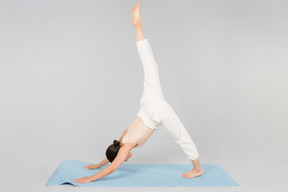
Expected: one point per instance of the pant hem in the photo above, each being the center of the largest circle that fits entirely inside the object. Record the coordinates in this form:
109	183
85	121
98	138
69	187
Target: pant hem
194	157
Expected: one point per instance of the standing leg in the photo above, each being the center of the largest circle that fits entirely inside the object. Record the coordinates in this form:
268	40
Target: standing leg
173	125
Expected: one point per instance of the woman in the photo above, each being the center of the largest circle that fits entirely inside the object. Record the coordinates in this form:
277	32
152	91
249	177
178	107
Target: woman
154	111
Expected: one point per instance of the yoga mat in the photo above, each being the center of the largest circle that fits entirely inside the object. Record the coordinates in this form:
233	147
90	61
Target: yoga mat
141	175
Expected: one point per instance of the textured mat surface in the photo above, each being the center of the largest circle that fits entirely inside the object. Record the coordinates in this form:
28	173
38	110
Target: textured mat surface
141	175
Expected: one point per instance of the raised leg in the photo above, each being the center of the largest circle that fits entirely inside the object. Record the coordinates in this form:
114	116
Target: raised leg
152	87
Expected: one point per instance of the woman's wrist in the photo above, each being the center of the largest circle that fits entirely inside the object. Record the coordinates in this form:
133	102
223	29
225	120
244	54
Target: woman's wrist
91	179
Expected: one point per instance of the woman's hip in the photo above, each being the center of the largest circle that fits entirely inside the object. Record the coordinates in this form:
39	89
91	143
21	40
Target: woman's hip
153	108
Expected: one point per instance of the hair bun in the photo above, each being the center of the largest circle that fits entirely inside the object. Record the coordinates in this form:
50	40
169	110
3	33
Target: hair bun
116	143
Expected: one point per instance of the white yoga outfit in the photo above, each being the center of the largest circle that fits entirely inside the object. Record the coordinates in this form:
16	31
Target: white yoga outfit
154	109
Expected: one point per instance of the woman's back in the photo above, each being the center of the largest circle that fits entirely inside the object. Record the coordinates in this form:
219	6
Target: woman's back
137	132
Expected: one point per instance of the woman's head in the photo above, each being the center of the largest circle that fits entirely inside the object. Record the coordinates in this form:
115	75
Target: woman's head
113	150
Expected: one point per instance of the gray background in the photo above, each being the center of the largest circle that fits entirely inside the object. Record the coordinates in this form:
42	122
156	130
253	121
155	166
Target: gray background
71	82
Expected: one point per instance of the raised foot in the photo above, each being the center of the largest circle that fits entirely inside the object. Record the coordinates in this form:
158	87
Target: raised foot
192	173
136	18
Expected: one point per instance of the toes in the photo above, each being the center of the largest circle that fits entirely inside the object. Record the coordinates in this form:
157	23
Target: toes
184	175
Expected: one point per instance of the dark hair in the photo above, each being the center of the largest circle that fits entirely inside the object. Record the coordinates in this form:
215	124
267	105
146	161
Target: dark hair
113	150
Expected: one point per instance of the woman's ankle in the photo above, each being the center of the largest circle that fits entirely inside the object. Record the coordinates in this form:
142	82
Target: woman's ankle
139	26
198	168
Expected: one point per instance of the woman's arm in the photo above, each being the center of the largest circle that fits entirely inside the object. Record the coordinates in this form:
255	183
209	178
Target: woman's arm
123	134
121	156
104	162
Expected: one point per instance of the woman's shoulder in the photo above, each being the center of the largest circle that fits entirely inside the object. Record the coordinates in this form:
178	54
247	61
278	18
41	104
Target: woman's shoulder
129	145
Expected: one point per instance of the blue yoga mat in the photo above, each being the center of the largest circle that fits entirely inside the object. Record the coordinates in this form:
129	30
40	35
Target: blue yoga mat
141	175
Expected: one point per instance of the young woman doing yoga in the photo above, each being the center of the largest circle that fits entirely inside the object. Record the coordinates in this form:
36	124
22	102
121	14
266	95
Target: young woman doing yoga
154	111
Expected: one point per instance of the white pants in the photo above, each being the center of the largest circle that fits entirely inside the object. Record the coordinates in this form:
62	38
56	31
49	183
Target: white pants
154	109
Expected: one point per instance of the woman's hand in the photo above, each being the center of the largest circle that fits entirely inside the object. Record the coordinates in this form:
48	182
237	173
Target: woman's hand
91	166
83	180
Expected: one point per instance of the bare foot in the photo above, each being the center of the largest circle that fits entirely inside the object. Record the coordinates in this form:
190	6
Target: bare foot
137	18
193	173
